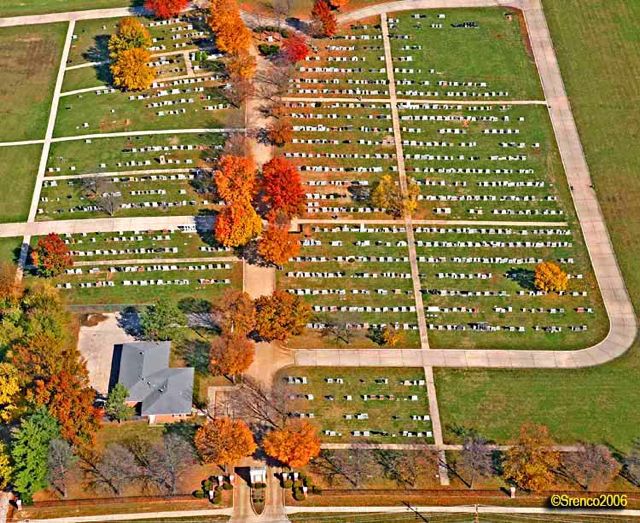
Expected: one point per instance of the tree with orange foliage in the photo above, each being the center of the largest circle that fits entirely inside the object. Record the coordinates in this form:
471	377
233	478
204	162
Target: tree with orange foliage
277	245
51	255
10	288
235	178
280	131
282	188
232	35
280	316
549	277
131	70
242	66
338	4
231	355
324	19
69	399
167	8
294	445
235	313
295	48
237	224
224	441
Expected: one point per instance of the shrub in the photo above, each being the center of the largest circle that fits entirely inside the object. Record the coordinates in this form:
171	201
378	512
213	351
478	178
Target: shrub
298	495
268	50
227	486
217	497
198	494
297	484
207	485
259	486
287	484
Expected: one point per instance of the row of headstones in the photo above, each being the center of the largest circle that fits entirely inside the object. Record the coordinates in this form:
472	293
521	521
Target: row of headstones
340	274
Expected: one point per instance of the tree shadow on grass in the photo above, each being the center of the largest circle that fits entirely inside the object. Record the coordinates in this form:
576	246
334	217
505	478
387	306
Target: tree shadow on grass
524	277
195	353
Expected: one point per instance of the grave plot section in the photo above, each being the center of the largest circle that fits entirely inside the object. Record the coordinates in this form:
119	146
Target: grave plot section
342	150
357	280
18	172
348	64
478	288
357	405
133	153
121	283
486	162
29	60
143	245
462	54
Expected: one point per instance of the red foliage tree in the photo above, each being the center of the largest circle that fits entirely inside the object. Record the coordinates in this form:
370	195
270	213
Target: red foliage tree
51	255
166	8
282	188
324	18
295	49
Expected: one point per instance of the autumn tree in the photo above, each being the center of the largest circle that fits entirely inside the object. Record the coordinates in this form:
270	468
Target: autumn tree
231	355
29	451
295	48
232	35
242	65
530	463
235	313
237	224
9	391
162	321
59	462
549	277
338	4
51	256
235	179
476	458
280	131
324	19
281	316
69	399
10	288
130	34
282	188
277	245
167	8
388	195
224	441
592	466
238	90
131	70
6	470
294	445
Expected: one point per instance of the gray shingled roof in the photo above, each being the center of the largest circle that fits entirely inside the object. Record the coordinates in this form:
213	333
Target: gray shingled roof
144	370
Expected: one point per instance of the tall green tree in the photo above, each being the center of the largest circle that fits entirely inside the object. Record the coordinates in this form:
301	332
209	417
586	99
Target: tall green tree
116	406
30	452
162	321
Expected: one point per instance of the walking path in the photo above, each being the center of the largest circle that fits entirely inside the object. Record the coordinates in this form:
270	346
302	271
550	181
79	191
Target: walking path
155	132
434	410
120	173
70	16
169	515
383	221
23	142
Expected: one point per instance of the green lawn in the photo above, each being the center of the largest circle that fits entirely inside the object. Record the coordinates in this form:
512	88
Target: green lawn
18	171
9	248
34	7
597	45
29	58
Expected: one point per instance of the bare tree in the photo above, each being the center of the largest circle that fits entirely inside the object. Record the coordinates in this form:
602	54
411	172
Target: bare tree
60	461
592	466
112	471
476	458
632	463
237	145
256	403
352	466
337	332
281	10
103	193
405	467
238	90
276	81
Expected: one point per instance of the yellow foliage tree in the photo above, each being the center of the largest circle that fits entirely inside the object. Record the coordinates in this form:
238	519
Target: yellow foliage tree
131	70
131	34
5	466
388	195
9	391
549	277
242	65
237	224
531	461
224	441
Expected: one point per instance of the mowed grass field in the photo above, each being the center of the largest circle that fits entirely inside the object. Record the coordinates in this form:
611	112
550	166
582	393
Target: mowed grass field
29	58
598	47
8	248
34	7
18	171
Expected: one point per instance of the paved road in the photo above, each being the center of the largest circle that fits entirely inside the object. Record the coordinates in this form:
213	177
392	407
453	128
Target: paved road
92	14
167	516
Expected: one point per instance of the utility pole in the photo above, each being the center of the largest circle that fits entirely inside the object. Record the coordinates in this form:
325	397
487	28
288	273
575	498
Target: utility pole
416	512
